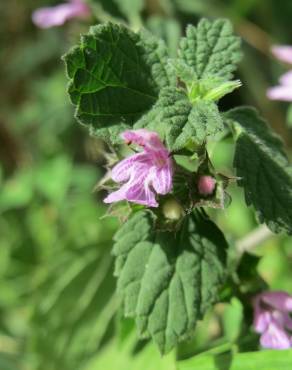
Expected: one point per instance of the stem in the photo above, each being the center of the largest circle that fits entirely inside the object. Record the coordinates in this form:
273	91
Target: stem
253	239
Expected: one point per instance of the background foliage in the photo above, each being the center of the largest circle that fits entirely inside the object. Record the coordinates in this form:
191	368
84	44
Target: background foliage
58	309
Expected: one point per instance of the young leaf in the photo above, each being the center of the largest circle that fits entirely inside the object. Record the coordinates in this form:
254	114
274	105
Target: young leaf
168	281
186	122
211	49
115	76
263	170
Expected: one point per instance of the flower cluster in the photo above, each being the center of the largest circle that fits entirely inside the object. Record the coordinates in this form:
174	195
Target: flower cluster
57	15
272	319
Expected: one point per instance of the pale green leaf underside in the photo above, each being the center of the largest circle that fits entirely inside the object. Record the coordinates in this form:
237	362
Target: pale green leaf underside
115	76
263	169
168	280
211	49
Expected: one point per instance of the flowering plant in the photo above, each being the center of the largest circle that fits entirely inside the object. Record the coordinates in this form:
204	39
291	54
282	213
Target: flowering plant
172	262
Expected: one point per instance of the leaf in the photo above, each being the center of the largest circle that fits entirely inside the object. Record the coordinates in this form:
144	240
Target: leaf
263	169
168	281
130	8
261	360
211	49
232	319
115	76
186	122
168	29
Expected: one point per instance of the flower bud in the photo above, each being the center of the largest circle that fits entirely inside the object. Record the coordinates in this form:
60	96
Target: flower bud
172	210
206	185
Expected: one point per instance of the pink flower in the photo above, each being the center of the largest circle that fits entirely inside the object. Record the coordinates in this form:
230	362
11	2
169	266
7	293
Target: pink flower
283	91
272	319
206	185
59	14
144	174
283	53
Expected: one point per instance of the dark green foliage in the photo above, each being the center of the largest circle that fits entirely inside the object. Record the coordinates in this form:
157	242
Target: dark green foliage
115	77
263	170
168	281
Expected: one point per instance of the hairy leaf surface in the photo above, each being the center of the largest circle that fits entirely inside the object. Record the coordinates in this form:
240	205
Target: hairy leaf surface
115	76
168	280
263	170
211	49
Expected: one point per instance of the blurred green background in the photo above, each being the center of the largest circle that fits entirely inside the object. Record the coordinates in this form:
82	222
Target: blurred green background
58	309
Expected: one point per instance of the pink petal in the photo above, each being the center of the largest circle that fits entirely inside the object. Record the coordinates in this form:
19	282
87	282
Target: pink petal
144	138
122	171
136	190
287	322
277	299
283	53
141	194
275	337
143	172
161	179
58	15
262	321
286	79
281	92
115	196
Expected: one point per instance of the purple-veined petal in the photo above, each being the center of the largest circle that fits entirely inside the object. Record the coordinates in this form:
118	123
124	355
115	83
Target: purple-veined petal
143	173
122	171
149	140
136	190
275	337
140	192
281	92
57	15
283	53
161	179
277	299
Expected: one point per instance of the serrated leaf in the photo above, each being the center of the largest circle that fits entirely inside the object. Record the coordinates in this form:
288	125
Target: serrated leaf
168	281
115	76
263	169
211	49
185	122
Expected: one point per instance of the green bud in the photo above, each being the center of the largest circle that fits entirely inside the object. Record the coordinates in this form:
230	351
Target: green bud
172	210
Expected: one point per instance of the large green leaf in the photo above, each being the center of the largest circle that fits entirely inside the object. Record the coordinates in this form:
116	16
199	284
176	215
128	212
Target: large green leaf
263	170
115	76
169	280
211	49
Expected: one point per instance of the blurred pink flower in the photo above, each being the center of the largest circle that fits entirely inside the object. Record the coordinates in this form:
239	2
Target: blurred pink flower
57	15
283	91
143	174
272	319
282	53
